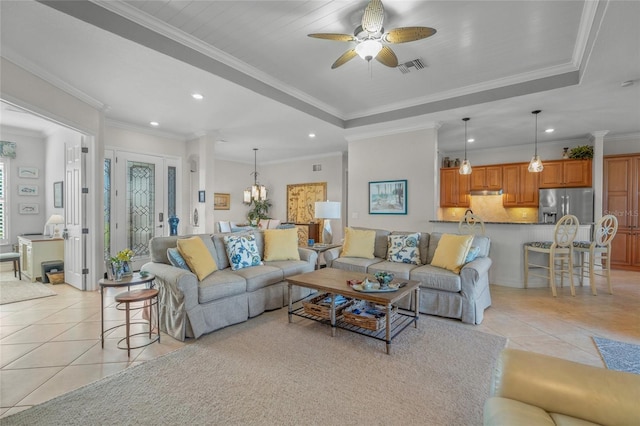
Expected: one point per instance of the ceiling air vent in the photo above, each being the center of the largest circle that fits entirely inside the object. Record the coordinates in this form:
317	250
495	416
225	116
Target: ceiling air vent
406	67
317	167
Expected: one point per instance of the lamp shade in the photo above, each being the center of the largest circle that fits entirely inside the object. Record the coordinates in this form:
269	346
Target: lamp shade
327	210
55	219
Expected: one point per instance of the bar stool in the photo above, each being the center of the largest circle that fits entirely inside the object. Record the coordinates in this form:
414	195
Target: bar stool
471	224
144	295
15	258
560	249
599	248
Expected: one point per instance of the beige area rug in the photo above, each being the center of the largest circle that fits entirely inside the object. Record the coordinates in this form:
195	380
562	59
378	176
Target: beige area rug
17	291
269	372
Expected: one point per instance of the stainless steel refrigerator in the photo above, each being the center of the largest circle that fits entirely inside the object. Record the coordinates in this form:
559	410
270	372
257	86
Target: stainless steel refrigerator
555	203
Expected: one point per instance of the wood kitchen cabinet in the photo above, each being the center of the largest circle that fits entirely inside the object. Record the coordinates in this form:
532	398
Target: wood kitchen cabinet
566	174
486	178
454	188
621	191
520	187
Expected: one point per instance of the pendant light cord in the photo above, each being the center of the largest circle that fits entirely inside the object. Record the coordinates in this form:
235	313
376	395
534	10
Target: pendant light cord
536	112
465	136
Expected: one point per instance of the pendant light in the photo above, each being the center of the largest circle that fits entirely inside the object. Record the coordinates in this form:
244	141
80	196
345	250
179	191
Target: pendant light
256	191
535	165
465	167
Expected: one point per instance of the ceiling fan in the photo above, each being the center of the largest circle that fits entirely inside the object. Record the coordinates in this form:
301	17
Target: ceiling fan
371	39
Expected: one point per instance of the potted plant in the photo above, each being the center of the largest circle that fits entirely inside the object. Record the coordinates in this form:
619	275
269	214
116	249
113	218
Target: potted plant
259	210
583	152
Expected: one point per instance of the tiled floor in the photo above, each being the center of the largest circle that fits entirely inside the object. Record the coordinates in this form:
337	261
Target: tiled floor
50	346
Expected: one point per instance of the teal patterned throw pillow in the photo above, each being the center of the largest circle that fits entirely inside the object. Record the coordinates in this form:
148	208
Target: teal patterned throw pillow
404	248
242	251
176	259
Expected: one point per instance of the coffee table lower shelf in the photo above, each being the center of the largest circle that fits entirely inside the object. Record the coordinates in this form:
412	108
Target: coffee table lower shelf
400	321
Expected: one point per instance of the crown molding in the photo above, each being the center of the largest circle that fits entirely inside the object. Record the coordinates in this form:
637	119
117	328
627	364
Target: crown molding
145	130
21	131
45	75
385	128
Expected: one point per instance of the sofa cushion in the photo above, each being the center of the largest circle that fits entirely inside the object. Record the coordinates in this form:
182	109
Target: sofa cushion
242	251
292	267
259	277
473	253
404	248
158	247
359	243
436	278
380	247
355	264
504	411
197	255
281	244
452	251
399	270
176	259
424	244
219	285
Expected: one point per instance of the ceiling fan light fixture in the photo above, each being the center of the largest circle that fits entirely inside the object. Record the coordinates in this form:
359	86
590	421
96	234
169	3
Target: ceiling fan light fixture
368	49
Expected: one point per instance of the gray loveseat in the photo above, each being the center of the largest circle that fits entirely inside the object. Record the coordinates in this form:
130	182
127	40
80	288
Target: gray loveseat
442	292
191	308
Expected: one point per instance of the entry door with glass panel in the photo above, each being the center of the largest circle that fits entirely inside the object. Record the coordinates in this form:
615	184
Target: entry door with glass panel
141	203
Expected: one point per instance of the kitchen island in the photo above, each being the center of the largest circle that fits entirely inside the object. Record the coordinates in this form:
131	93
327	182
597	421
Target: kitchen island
507	239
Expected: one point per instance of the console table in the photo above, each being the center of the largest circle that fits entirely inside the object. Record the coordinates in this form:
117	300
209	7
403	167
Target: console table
35	249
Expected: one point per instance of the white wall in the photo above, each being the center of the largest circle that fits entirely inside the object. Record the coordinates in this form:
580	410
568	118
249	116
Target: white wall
28	144
411	156
233	178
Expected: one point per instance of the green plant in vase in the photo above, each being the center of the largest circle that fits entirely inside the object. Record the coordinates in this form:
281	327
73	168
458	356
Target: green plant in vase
259	210
583	152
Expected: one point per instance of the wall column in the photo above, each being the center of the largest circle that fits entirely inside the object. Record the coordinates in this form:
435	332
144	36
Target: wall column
598	171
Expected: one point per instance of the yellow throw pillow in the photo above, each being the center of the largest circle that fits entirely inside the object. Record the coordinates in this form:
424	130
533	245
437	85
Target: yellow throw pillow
452	251
281	244
359	243
197	256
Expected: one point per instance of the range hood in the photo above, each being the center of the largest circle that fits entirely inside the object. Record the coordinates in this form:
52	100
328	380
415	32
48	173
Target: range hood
487	192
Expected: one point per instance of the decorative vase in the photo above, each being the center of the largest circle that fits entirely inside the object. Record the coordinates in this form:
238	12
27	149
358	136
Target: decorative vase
173	225
456	163
118	272
565	153
446	162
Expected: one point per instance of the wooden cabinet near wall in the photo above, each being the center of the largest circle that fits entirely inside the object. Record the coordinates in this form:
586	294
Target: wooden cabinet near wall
486	178
621	194
520	187
454	188
566	174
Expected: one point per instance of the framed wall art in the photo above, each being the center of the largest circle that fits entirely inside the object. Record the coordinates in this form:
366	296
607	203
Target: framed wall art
58	195
388	197
28	172
221	201
28	190
29	208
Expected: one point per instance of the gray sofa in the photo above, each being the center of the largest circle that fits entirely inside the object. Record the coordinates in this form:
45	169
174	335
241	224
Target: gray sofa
191	308
442	292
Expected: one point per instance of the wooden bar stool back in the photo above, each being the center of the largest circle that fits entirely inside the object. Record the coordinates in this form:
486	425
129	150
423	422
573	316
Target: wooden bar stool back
559	250
150	298
598	249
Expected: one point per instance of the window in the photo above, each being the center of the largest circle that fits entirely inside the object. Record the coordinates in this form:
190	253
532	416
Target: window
3	202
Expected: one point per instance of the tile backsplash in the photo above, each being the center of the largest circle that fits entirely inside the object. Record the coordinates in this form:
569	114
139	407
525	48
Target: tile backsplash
490	209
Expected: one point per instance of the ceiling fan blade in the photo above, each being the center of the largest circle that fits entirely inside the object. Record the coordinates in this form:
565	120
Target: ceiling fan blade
334	37
346	57
403	35
387	57
373	16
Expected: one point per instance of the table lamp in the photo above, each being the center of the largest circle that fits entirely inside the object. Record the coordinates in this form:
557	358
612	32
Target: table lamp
55	220
327	210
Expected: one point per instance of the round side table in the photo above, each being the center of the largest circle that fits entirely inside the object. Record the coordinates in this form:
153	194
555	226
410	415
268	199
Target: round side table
134	279
150	298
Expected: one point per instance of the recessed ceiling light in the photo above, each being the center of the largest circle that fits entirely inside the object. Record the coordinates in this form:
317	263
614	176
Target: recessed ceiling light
549	130
312	135
197	96
154	123
470	140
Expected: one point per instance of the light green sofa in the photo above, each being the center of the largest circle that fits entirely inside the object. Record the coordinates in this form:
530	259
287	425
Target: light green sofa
442	292
191	308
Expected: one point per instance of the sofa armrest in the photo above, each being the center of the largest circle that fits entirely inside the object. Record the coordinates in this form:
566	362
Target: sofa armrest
179	284
308	256
474	270
560	386
331	255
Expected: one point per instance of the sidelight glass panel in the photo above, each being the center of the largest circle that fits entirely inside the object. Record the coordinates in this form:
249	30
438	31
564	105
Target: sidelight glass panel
140	206
107	208
171	190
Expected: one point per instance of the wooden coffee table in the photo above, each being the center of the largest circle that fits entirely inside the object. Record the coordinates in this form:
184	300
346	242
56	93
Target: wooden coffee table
334	281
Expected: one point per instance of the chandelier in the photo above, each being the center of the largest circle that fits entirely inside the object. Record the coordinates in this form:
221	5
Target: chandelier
256	191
